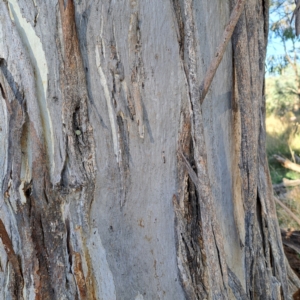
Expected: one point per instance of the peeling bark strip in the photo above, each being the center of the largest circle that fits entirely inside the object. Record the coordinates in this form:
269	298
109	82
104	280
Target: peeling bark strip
236	286
210	73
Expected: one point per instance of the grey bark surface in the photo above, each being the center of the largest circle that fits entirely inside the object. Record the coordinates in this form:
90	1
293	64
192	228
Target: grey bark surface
116	183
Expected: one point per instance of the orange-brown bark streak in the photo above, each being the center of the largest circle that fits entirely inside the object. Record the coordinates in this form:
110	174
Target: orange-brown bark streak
12	258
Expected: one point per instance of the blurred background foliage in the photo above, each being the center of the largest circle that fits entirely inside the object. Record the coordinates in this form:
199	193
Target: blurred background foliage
282	90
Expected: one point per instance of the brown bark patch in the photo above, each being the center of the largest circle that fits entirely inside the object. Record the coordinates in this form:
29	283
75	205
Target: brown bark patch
79	276
13	259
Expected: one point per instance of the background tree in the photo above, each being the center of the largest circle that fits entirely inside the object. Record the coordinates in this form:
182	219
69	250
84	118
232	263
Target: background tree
116	182
283	60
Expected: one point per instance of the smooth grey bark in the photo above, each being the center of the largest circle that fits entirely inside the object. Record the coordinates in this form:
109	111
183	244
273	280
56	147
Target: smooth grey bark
98	100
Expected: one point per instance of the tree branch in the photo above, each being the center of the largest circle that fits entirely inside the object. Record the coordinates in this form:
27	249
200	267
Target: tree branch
192	173
286	183
287	163
234	17
288	211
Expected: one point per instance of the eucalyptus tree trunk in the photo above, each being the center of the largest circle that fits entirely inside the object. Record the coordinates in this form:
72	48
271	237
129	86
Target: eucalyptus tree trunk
115	182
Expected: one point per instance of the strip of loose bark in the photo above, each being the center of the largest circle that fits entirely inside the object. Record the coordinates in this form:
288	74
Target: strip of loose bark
294	282
287	163
190	170
236	286
288	211
234	17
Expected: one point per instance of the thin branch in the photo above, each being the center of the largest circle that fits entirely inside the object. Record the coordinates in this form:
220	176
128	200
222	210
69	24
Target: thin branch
288	211
190	170
272	10
235	15
295	10
287	163
286	183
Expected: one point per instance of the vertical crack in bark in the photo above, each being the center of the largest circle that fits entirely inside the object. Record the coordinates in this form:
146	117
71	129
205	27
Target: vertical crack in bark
69	245
2	92
137	70
43	284
124	156
124	110
178	16
190	257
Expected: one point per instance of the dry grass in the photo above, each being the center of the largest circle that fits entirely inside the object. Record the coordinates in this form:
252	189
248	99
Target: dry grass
283	137
292	200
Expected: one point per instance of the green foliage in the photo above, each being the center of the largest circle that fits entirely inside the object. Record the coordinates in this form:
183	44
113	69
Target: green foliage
282	30
276	64
282	92
278	173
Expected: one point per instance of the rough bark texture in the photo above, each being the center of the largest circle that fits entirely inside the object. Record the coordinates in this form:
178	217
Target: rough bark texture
116	183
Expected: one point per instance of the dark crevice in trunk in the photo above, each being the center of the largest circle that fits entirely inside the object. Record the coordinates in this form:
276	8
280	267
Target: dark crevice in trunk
124	167
69	245
190	242
45	291
2	92
11	82
180	26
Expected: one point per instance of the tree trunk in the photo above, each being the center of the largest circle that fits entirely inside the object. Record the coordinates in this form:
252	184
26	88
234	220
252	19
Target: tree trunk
101	132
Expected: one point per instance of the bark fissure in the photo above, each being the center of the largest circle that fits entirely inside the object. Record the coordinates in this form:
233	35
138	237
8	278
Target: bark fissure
137	70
